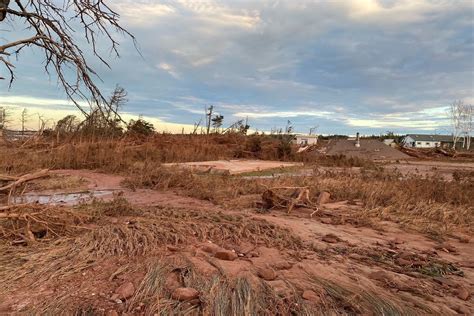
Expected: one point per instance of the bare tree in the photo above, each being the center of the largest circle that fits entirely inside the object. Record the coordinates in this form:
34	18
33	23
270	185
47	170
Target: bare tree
52	26
3	9
217	122
196	126
467	125
455	114
208	111
461	116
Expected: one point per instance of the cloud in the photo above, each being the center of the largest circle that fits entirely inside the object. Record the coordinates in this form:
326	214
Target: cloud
343	64
28	101
169	69
283	114
142	13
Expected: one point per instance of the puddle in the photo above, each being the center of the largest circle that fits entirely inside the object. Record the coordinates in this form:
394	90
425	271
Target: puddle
60	198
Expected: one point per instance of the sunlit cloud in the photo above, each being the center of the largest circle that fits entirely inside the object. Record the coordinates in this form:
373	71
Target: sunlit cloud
283	114
344	65
29	101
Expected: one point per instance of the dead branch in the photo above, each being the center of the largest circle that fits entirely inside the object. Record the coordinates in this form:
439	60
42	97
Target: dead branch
25	178
8	178
299	197
53	28
32	222
10	215
9	207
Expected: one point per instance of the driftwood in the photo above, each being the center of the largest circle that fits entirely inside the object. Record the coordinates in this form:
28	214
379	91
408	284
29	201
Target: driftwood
7	178
25	178
297	197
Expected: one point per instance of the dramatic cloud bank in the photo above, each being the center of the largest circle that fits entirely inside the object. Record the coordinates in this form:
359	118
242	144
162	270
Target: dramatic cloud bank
362	65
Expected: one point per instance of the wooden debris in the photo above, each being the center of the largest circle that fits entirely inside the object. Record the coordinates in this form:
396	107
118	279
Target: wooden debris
7	178
294	197
23	179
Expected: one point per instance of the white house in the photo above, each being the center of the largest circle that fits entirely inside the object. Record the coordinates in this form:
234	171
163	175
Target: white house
305	140
427	141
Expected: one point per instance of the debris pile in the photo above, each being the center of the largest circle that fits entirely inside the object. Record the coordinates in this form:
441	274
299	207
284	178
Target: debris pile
13	183
286	197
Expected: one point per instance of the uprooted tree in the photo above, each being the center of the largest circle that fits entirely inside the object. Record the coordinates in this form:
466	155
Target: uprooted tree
53	27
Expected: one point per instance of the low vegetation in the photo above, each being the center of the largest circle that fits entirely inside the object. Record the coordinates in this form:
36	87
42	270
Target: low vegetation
87	249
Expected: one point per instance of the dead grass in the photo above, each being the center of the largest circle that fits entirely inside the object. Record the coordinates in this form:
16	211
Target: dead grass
429	204
355	300
125	154
73	248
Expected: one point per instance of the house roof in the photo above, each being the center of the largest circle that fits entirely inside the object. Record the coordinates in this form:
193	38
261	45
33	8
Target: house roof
369	149
431	138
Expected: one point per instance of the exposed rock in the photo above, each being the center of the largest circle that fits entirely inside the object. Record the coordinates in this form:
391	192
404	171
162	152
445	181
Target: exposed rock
326	220
402	262
125	290
444	281
226	255
419	263
405	255
172	248
466	264
211	248
396	241
462	293
323	198
311	296
331	238
381	276
356	256
281	288
282	265
446	247
463	310
268	274
253	254
245	248
172	281
111	312
185	294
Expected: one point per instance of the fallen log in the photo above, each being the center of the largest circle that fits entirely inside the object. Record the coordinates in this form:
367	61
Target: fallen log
25	178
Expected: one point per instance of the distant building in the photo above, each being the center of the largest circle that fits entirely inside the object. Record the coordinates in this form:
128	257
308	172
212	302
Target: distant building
305	140
428	141
364	148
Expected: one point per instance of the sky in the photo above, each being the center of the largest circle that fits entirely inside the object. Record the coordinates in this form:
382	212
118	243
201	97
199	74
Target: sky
366	66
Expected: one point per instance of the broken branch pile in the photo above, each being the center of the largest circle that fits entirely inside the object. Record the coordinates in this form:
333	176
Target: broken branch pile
23	224
18	181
